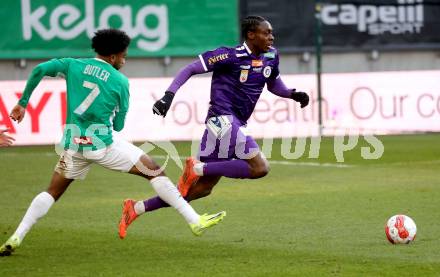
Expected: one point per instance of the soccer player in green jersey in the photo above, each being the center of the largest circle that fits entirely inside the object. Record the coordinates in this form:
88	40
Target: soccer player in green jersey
97	102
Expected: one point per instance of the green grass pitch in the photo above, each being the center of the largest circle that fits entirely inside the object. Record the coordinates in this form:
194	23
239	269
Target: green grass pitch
300	220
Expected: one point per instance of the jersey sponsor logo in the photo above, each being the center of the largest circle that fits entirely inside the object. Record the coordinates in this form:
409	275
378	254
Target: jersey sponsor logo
83	140
244	75
267	71
403	17
269	55
257	63
257	69
245	66
239	55
217	58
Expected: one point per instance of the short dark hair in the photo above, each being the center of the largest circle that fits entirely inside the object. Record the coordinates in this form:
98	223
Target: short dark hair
250	23
107	42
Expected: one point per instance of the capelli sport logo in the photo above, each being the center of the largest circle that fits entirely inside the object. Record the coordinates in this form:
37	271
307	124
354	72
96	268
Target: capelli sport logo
67	22
403	17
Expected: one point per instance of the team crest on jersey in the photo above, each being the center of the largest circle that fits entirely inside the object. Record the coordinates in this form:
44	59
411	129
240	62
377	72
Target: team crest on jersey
244	75
267	71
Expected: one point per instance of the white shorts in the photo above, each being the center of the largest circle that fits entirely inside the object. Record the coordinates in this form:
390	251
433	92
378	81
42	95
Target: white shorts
120	156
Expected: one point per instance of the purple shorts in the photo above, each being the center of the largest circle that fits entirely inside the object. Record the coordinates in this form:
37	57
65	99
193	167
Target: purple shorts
225	139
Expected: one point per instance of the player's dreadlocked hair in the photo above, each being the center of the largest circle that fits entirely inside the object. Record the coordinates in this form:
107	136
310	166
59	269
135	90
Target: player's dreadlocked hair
250	23
107	42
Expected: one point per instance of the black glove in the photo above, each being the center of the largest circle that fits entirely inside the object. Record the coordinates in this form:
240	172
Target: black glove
162	105
300	97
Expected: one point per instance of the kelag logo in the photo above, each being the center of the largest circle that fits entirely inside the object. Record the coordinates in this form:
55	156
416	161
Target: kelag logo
67	22
404	17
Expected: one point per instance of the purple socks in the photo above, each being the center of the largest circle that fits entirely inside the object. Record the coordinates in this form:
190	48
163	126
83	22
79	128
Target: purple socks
232	169
154	204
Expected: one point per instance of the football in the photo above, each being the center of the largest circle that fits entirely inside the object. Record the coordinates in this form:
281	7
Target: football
400	229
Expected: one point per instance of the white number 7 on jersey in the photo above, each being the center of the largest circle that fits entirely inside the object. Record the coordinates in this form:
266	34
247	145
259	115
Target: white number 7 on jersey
89	99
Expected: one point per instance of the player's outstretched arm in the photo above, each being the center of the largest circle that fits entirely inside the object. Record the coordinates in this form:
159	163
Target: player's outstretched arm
277	87
162	105
43	69
50	68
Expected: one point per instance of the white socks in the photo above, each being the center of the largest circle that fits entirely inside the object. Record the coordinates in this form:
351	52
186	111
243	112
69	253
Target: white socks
169	193
37	209
139	207
162	185
198	168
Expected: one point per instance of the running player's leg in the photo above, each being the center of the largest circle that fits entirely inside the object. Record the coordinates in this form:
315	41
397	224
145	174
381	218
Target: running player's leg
164	188
126	157
253	168
132	209
257	166
244	159
202	188
189	178
229	153
67	169
169	194
199	178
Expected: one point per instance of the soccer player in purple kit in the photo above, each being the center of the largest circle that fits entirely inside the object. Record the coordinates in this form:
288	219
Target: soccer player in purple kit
239	76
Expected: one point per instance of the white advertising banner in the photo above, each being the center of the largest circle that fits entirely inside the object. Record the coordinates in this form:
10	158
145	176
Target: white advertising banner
365	103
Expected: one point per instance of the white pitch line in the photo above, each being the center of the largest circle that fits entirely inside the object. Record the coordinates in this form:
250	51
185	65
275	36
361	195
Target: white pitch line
412	162
311	164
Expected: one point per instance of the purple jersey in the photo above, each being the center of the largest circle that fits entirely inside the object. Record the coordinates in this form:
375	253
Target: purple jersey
238	79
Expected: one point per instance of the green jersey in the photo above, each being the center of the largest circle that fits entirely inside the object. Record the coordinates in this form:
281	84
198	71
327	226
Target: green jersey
97	100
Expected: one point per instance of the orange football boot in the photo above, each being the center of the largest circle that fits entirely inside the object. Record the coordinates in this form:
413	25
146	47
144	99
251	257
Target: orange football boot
188	178
128	216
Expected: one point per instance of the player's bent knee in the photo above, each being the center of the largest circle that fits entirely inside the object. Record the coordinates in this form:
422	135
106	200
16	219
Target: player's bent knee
259	166
260	170
147	167
263	171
